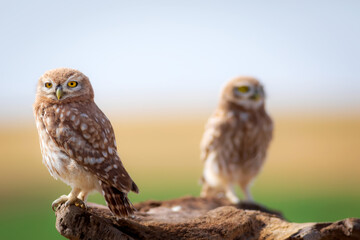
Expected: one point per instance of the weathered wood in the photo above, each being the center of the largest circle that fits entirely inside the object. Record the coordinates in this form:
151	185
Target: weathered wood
195	218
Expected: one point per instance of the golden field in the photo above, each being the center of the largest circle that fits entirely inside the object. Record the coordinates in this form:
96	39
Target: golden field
312	172
322	151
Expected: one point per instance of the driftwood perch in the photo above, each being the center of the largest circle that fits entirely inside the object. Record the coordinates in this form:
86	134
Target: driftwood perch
195	218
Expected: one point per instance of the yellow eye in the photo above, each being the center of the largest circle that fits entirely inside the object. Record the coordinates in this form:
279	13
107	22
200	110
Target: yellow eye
48	85
243	89
72	84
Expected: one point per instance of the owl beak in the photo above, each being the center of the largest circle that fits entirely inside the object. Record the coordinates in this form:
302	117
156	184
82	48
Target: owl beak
256	96
59	92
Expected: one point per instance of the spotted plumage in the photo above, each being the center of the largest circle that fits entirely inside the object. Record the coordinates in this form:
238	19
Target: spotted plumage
77	141
236	138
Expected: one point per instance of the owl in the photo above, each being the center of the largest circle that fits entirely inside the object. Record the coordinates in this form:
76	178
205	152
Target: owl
235	141
78	143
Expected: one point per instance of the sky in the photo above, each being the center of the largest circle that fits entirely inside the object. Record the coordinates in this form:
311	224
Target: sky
174	56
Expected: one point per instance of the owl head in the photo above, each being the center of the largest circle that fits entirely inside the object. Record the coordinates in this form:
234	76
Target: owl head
243	92
63	85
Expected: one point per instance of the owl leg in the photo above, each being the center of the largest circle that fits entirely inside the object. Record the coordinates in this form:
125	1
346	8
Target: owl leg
205	190
245	187
83	196
74	200
231	195
211	191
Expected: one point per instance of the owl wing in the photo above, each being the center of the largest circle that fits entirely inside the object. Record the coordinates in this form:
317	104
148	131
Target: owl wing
86	135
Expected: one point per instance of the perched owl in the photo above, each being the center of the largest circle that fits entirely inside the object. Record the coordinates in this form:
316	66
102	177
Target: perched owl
236	138
78	143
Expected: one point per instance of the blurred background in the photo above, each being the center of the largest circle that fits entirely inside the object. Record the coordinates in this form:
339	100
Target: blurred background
157	68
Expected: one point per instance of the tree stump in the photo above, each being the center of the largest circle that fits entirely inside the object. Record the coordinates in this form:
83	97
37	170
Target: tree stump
195	218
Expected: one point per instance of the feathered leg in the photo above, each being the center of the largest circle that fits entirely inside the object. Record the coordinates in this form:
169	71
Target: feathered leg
245	187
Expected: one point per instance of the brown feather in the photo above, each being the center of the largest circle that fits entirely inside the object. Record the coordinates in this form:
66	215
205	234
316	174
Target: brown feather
117	201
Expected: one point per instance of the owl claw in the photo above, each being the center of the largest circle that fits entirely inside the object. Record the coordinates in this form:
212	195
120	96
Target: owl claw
77	202
55	206
58	202
80	203
68	201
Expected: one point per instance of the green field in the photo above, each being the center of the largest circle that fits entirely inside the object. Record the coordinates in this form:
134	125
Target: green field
312	172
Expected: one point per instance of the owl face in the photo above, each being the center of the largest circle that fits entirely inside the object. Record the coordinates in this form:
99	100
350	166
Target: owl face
244	91
63	84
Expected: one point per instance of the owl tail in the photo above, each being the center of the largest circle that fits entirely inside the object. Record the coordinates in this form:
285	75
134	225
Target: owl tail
117	201
134	188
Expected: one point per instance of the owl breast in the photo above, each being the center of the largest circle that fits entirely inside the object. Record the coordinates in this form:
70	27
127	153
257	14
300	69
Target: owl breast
250	140
61	166
238	145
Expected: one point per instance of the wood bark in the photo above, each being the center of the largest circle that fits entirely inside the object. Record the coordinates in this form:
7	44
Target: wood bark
195	218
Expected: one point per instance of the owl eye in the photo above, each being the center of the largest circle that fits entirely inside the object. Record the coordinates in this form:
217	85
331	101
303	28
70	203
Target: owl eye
243	89
48	85
72	84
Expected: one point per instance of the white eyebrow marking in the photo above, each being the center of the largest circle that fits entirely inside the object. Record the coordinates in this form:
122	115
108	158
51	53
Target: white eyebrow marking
74	77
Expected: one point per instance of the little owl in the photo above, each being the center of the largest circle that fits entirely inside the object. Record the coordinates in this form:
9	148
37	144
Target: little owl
78	143
236	139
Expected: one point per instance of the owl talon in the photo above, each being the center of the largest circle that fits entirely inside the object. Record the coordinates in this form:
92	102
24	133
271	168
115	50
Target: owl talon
68	201
58	202
54	207
77	202
80	204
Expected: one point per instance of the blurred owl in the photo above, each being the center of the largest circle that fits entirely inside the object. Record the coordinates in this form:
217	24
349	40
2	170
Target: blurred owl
235	140
78	143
